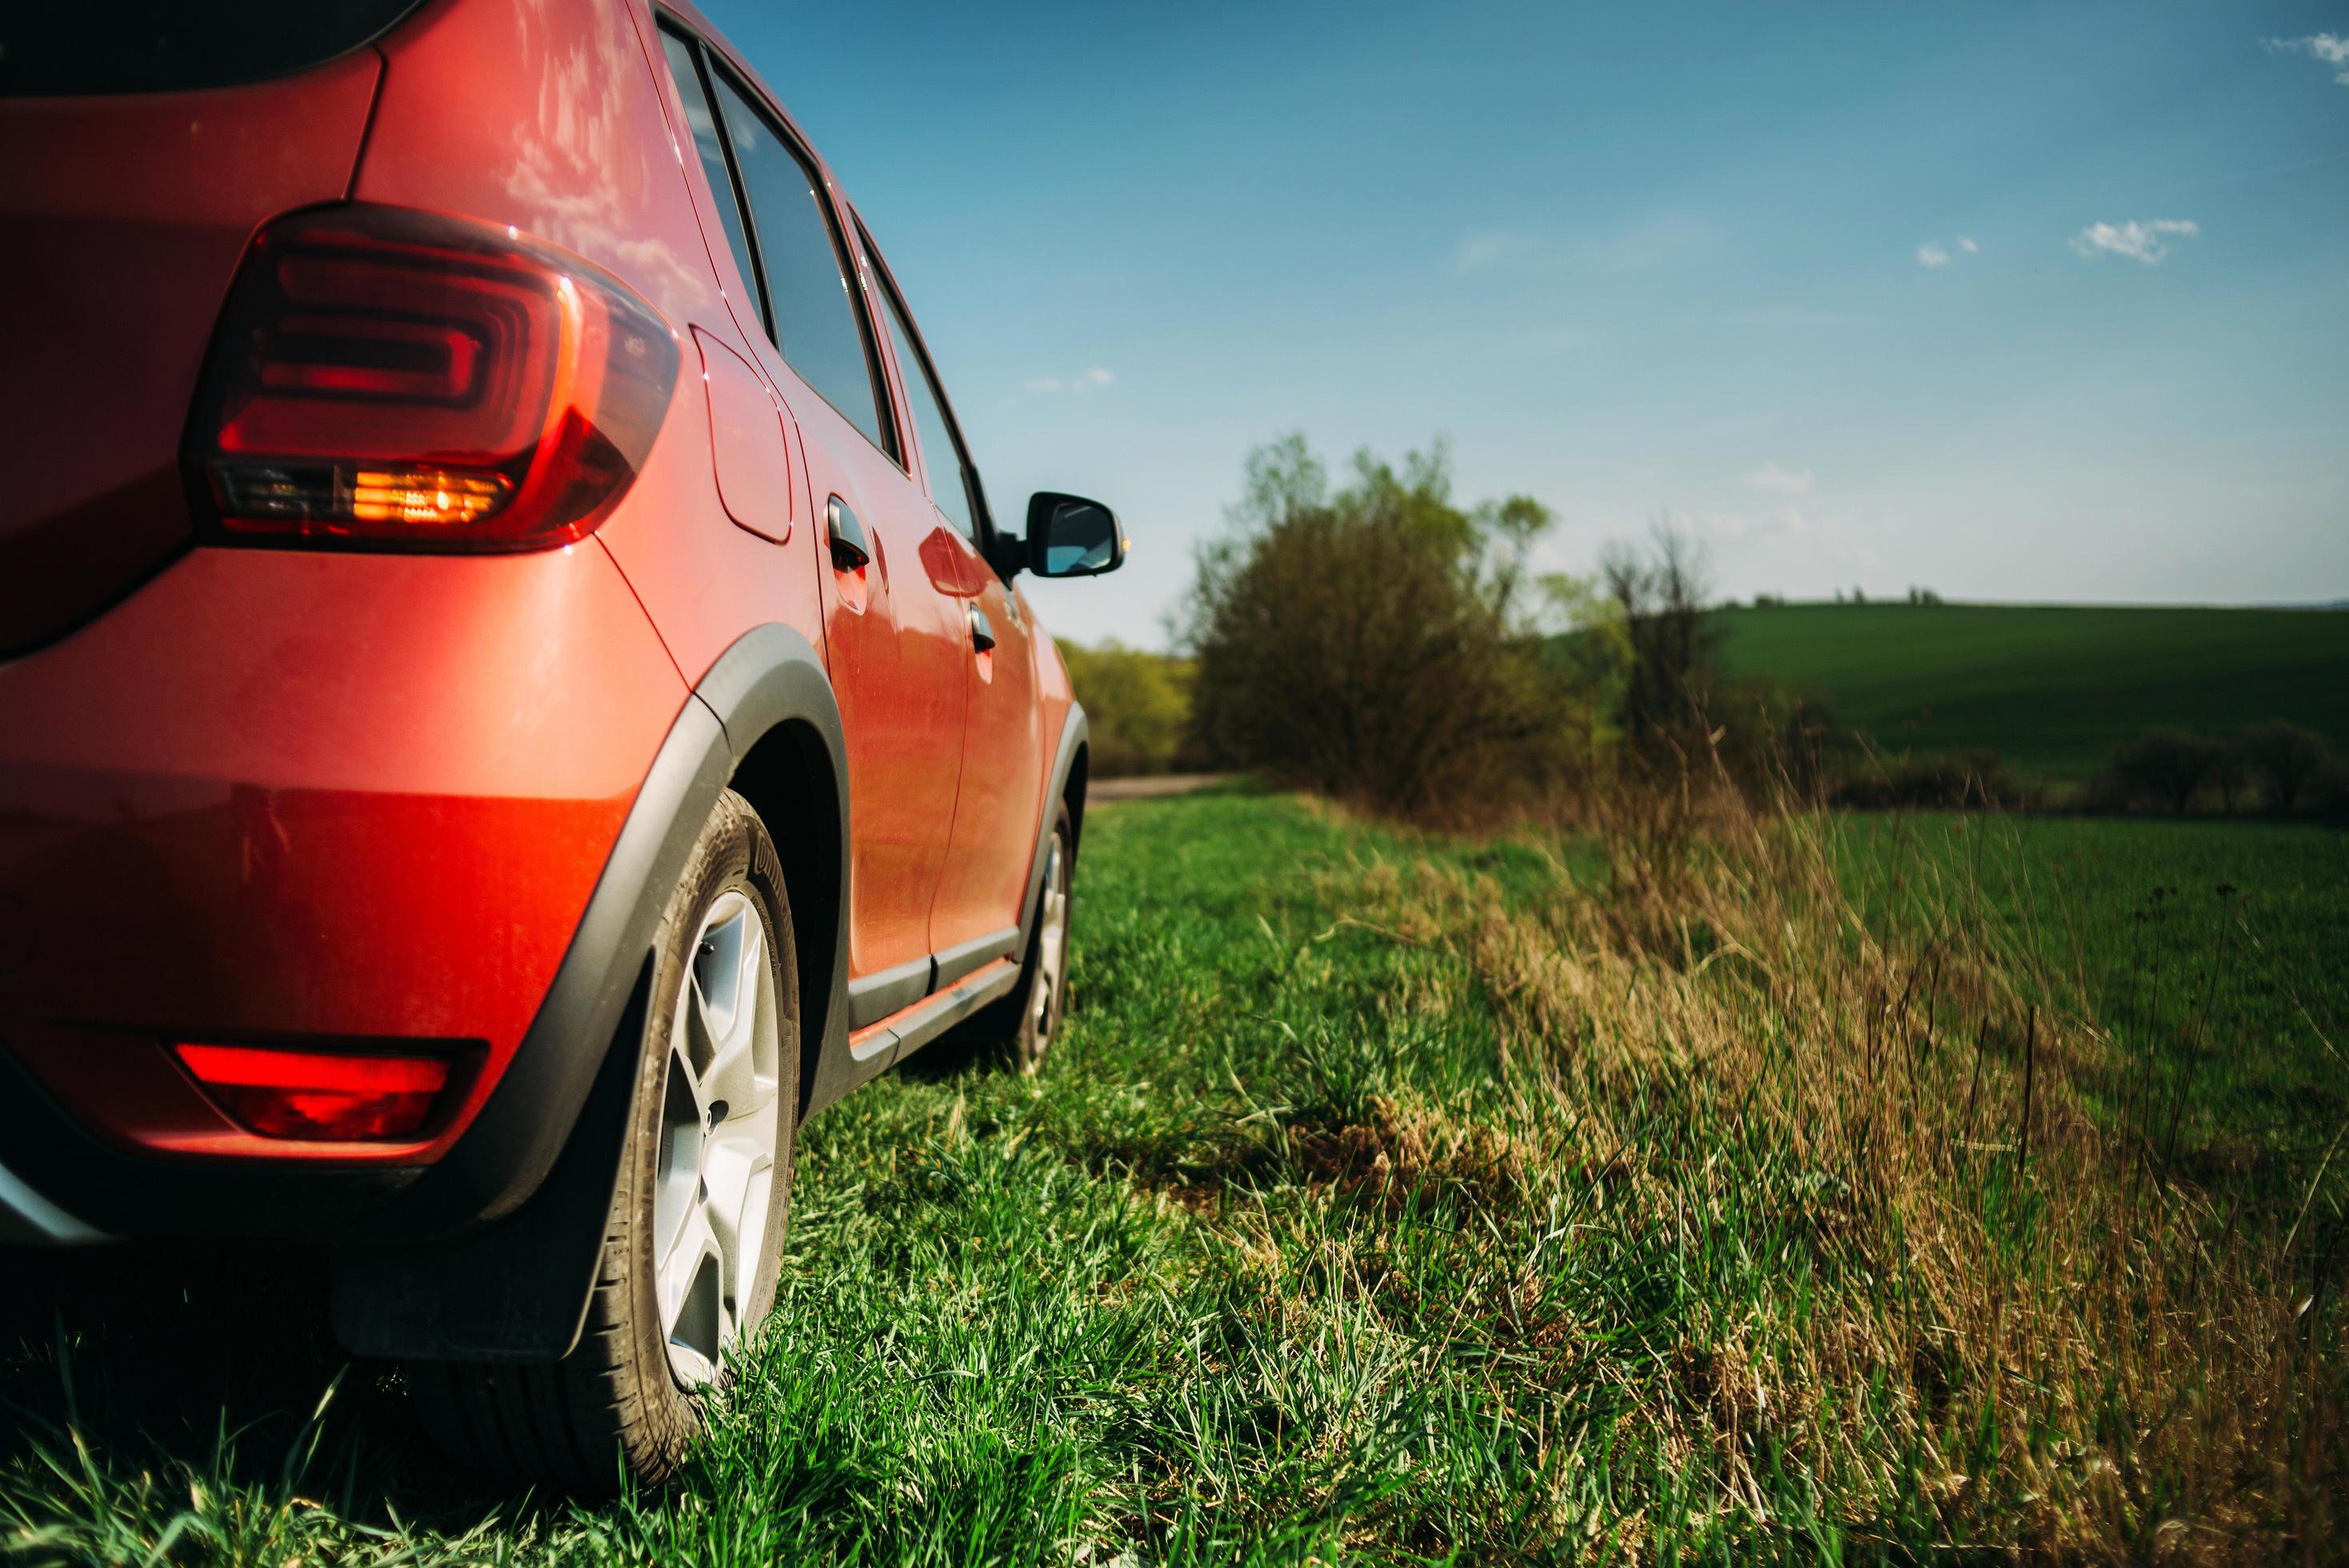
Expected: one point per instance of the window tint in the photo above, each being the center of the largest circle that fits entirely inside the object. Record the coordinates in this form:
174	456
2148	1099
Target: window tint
171	46
812	311
704	126
941	453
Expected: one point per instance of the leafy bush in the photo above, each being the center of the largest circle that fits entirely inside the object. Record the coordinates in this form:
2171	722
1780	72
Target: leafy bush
1773	735
1658	601
1138	704
2230	774
2286	758
2167	766
1679	719
1376	642
1941	781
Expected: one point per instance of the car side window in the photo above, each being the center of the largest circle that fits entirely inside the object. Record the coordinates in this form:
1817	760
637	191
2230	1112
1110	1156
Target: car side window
942	452
816	313
687	69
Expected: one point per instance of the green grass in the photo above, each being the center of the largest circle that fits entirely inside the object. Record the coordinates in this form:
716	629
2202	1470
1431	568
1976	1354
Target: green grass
2211	953
2050	689
1387	1200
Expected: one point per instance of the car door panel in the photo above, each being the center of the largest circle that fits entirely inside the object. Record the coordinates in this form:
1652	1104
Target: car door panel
897	670
983	882
984	878
894	645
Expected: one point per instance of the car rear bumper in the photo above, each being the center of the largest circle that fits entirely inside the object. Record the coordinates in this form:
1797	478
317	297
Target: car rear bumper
285	796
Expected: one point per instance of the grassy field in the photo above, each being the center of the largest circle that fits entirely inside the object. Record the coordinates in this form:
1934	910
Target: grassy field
1405	1199
2210	952
2050	689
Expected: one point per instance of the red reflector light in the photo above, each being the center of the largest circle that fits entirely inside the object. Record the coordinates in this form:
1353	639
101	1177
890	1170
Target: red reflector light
402	380
318	1095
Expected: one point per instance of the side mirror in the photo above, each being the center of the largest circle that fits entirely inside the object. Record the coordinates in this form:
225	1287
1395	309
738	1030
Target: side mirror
1069	536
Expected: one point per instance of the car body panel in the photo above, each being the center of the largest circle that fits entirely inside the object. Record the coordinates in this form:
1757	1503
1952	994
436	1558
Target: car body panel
125	218
1003	761
751	459
565	138
285	793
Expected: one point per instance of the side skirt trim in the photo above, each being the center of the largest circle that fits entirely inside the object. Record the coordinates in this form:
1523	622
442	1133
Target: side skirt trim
966	956
877	996
926	1020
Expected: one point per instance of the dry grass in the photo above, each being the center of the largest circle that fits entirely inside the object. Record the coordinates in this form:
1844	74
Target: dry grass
2072	1354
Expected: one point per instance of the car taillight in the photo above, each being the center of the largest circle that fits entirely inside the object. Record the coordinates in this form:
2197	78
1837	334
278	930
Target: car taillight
396	379
330	1097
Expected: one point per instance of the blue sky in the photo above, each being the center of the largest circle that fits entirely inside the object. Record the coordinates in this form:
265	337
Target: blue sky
2044	303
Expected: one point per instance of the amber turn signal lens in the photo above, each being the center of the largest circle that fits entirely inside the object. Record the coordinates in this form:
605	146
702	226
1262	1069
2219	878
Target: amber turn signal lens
328	1097
389	379
425	496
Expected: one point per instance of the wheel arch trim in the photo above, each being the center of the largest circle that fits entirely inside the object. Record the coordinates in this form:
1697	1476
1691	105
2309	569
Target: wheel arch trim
540	1162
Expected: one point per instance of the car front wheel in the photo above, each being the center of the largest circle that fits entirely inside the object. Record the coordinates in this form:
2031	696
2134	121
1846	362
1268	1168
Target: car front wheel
1035	1008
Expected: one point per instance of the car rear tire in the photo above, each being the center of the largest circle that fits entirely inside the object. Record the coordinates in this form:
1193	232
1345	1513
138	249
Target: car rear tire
693	1244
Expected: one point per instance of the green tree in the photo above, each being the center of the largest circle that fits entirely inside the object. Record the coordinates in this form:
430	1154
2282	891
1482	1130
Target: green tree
1658	601
2285	758
1380	640
1137	704
2168	765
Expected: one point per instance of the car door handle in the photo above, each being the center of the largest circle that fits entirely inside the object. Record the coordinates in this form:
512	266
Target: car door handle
850	549
982	630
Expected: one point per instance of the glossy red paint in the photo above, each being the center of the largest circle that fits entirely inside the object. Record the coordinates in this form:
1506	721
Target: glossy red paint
328	799
1006	752
124	218
312	794
898	646
898	664
746	437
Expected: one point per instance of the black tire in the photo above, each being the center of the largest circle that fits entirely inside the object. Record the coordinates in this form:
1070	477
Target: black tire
614	1403
1023	1025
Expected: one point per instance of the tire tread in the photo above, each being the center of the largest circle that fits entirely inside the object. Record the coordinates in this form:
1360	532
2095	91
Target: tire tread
610	1405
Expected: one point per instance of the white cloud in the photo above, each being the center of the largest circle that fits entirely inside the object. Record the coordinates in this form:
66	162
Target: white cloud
1771	477
1929	254
1091	380
1643	243
1735	527
1656	240
1490	250
2328	48
2138	241
1968	246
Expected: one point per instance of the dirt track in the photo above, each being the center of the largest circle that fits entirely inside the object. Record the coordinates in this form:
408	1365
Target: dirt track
1102	791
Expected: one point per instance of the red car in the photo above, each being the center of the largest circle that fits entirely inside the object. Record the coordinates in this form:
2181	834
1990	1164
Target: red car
511	693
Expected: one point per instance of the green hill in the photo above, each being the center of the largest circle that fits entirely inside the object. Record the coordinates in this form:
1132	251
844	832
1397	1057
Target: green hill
2049	688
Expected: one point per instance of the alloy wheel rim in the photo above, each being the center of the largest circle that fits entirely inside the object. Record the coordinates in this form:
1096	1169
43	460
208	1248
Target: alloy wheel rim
720	1113
1051	947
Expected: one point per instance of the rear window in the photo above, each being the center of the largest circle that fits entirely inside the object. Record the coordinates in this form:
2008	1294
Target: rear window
52	47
